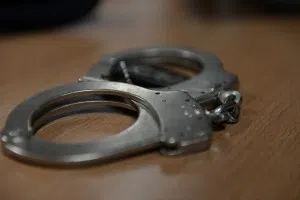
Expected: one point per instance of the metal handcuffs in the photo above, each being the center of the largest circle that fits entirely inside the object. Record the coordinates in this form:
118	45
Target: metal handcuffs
174	119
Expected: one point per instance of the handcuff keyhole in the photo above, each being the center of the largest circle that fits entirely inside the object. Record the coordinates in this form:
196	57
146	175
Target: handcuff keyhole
157	93
203	92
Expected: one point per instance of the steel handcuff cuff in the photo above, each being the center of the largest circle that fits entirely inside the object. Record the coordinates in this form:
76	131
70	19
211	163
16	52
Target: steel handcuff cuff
172	119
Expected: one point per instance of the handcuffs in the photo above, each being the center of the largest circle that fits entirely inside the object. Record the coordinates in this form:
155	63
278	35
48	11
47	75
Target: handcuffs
177	118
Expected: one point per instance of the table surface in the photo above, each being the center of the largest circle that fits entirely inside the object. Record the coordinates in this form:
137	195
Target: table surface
256	158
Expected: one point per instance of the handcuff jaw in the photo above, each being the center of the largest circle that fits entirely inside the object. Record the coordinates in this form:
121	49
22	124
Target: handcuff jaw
204	85
171	120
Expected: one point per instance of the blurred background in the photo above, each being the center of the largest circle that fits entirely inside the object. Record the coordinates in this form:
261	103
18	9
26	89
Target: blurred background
16	16
55	42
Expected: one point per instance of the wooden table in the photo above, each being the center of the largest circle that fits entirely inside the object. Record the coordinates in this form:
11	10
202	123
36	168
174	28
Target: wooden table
256	158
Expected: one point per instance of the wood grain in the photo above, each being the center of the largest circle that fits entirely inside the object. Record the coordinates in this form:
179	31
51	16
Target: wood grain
254	159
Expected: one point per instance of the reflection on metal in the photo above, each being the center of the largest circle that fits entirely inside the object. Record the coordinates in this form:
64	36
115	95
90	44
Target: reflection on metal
176	119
